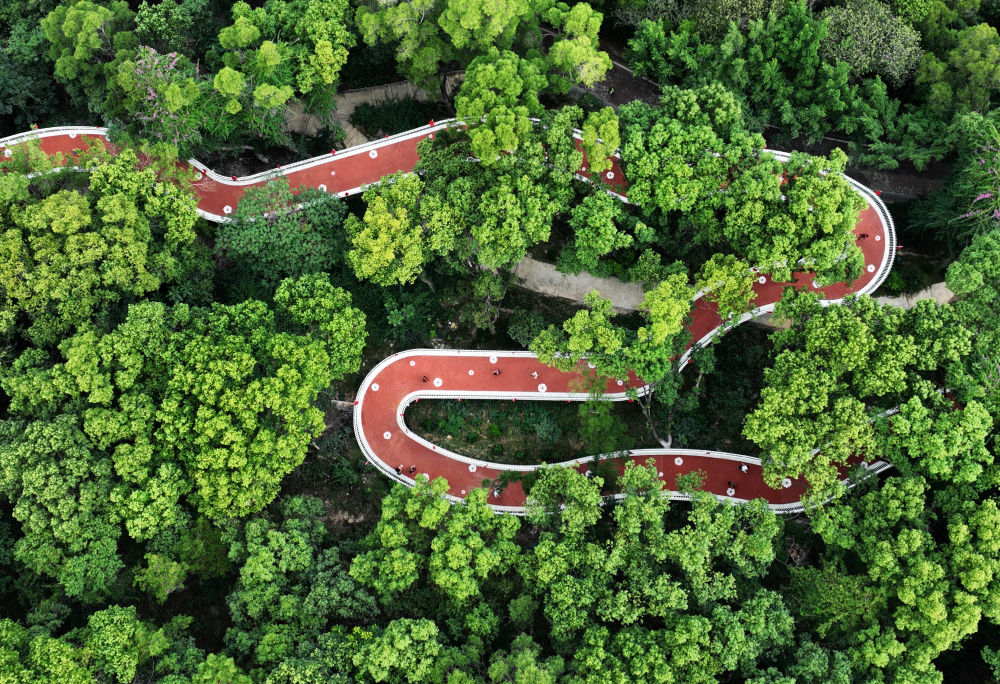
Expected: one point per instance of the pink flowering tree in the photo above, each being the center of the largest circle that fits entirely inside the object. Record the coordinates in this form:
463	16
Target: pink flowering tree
162	99
980	179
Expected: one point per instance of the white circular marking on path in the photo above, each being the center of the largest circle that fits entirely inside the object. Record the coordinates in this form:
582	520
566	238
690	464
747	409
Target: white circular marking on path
463	492
678	461
864	464
870	268
413	363
815	283
660	474
878	238
762	280
387	434
373	154
590	365
786	483
322	188
472	469
374	387
493	359
610	175
621	382
438	382
227	209
472	372
730	492
333	173
430	135
72	135
542	387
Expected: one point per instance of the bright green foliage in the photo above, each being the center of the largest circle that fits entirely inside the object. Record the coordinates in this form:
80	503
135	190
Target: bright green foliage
590	334
406	648
68	257
84	37
273	240
912	10
564	501
694	156
426	545
291	585
969	74
475	216
120	642
872	40
432	33
934	558
665	590
161	576
577	57
938	440
813	220
595	224
272	53
832	362
216	669
41	659
422	48
470	25
215	404
600	140
975	279
728	282
679	155
775	64
60	487
390	245
499	94
525	663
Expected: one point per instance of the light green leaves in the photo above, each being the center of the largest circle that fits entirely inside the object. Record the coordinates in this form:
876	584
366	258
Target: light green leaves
73	255
388	242
228	81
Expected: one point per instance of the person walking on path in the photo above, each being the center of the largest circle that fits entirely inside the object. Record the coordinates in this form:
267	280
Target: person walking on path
399	469
535	374
423	379
496	372
744	468
413	469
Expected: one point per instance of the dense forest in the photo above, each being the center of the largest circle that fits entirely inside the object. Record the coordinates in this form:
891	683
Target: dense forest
182	498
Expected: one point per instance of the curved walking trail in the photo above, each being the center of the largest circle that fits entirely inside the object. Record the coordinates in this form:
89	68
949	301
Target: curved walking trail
468	374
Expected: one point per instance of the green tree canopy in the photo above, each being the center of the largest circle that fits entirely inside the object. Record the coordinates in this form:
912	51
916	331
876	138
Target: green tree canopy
831	366
211	406
69	257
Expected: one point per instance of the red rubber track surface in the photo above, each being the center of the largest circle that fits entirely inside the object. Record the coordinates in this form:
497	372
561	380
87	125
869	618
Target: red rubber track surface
395	382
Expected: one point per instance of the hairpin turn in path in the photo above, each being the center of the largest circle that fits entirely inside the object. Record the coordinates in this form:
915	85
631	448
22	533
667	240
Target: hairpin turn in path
468	374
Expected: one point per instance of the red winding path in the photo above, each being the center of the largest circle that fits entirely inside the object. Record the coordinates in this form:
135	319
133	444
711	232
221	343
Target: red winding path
457	374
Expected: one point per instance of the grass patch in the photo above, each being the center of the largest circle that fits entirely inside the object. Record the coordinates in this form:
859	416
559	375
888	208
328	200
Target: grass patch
516	433
395	115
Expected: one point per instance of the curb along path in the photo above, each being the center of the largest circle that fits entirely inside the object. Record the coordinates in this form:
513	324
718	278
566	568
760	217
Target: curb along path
397	381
